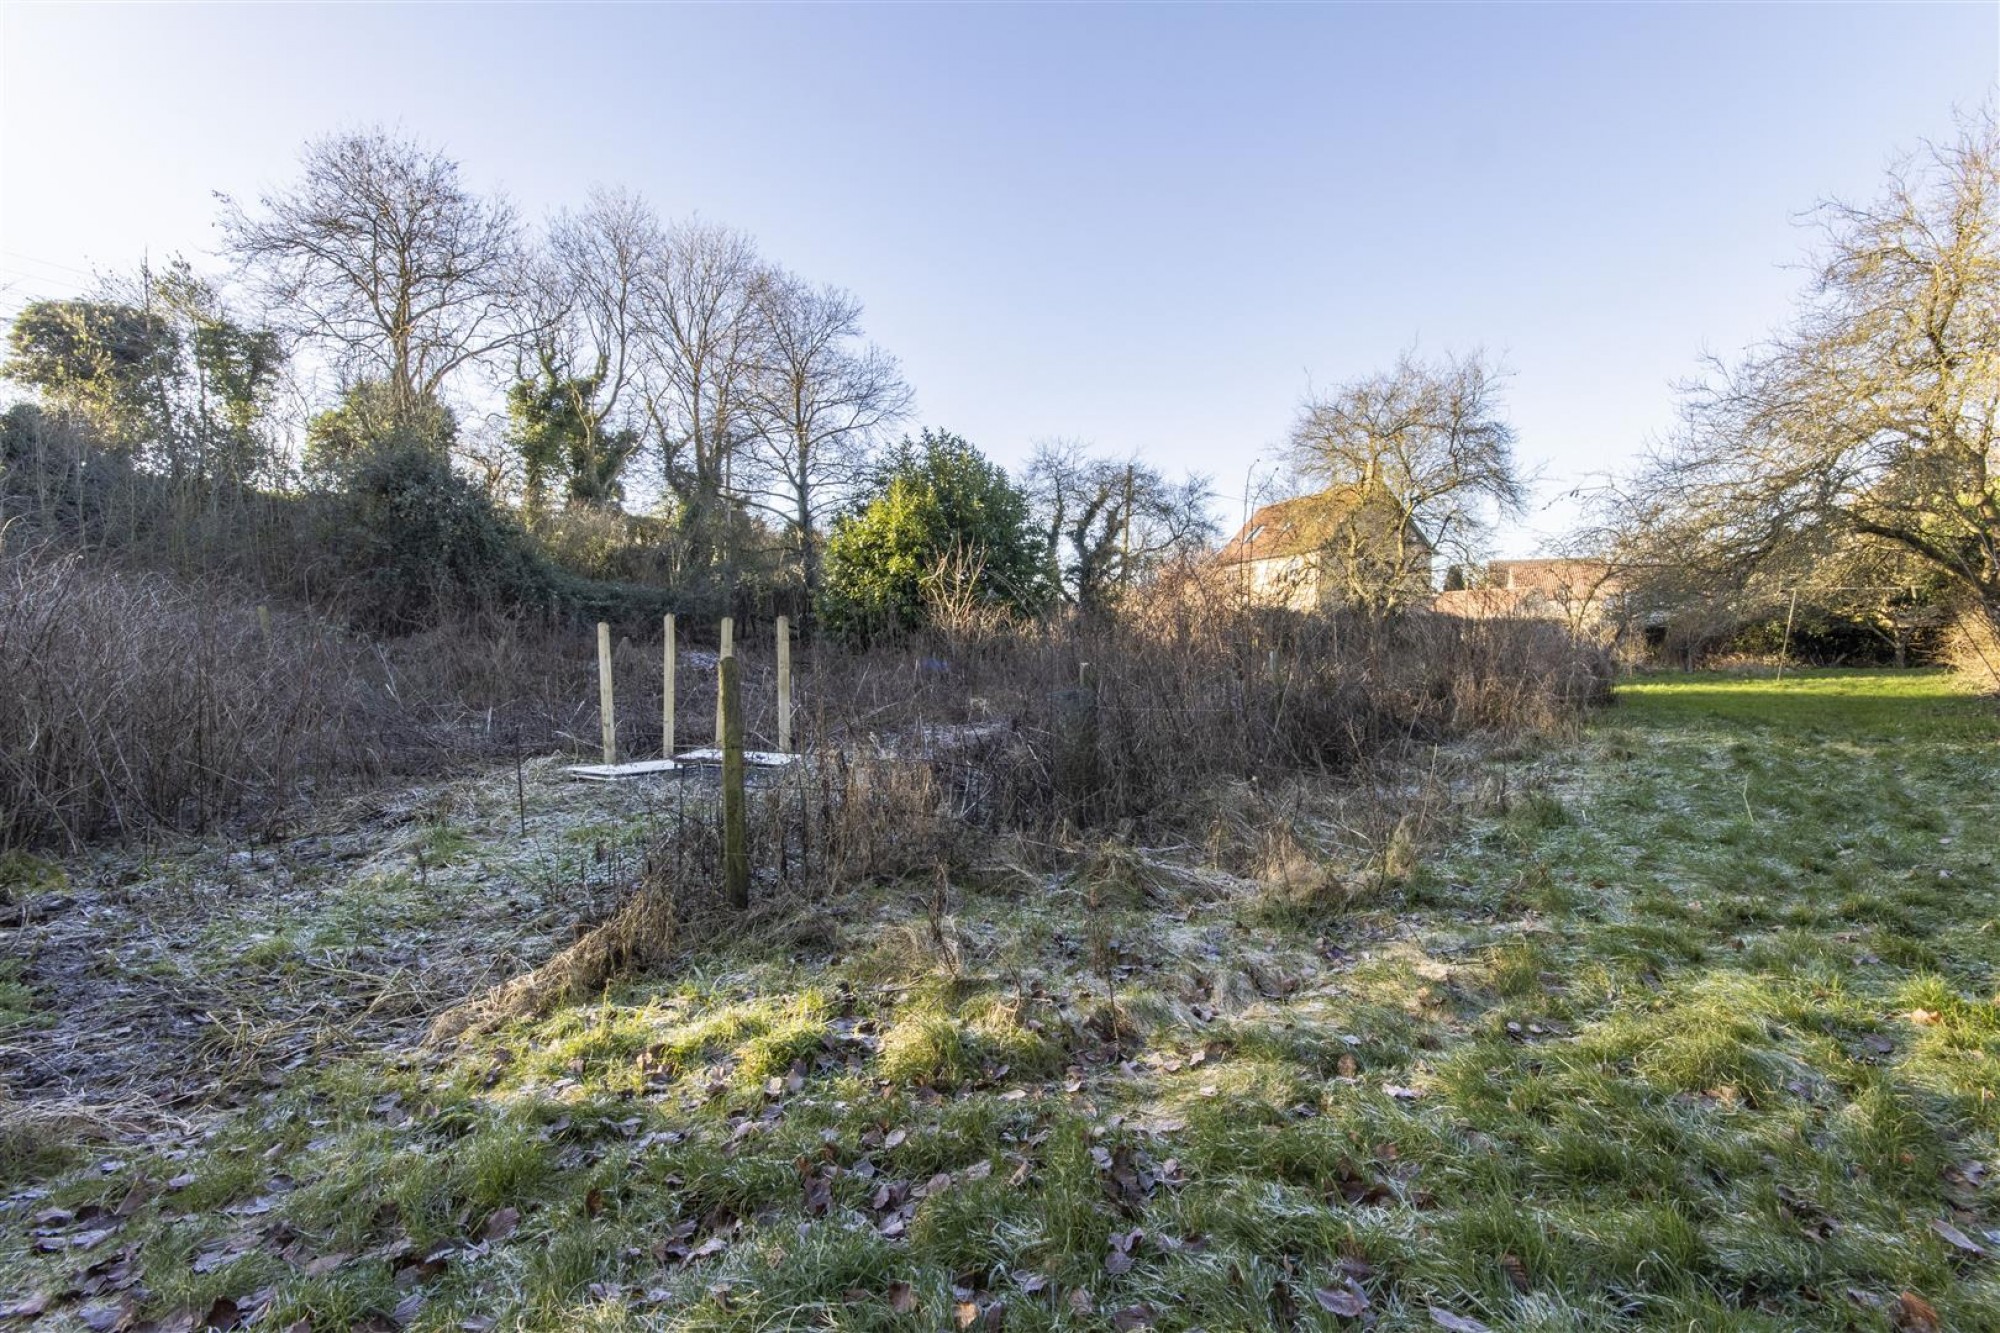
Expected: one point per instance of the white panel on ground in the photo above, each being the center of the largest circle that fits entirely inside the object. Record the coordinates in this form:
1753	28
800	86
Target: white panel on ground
755	758
618	772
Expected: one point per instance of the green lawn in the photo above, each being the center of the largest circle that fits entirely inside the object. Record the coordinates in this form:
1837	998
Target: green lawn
1691	1025
1884	705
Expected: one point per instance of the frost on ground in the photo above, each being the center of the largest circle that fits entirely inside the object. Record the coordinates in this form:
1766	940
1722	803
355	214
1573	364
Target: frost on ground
183	975
1685	1022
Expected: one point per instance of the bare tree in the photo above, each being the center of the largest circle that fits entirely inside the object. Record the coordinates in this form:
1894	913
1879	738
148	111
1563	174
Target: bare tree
1422	462
1106	524
380	253
1872	419
819	398
697	320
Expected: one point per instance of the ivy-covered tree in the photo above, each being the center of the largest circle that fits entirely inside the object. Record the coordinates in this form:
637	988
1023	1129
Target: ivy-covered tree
224	375
426	543
1106	524
559	426
106	362
157	369
941	530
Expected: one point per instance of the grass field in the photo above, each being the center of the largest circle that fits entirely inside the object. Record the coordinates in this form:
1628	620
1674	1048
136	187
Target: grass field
1689	1022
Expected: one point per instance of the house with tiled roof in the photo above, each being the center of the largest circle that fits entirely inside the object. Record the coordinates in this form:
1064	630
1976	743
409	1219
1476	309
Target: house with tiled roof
1582	593
1333	548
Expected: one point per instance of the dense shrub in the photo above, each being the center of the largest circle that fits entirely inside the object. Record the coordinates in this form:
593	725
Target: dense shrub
1822	636
398	541
137	699
942	533
424	542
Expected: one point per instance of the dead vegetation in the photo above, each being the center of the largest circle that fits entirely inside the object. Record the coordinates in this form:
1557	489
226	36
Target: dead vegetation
139	702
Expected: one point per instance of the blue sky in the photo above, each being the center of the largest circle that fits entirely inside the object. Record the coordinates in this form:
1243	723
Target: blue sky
1152	228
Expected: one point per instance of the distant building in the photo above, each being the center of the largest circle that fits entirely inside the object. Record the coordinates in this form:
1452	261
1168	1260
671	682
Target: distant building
1581	593
1330	549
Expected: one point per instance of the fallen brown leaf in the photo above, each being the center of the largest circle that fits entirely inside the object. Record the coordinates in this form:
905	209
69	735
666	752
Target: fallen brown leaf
1457	1323
222	1313
135	1198
1349	1302
1914	1314
1955	1238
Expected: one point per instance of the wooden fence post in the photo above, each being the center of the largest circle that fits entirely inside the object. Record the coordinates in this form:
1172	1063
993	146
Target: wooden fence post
1785	648
784	685
735	848
604	718
1077	779
728	649
667	696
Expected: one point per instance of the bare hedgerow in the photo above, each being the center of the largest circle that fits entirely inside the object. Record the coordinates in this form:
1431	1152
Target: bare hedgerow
136	700
1088	722
133	700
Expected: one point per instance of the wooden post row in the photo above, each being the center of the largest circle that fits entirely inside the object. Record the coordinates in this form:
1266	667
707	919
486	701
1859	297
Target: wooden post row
784	685
604	718
667	696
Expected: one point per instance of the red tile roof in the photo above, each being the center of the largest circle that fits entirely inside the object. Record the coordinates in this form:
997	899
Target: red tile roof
1298	526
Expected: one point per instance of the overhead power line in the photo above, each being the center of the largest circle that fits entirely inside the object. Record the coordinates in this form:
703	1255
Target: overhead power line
23	257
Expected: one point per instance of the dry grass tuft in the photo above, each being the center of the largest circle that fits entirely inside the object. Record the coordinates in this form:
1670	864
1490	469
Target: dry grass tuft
1972	648
642	933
